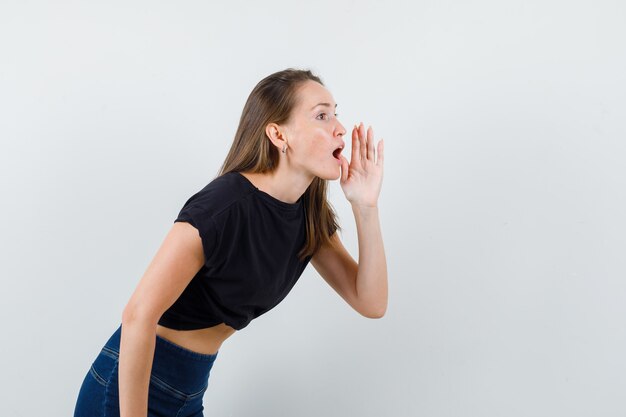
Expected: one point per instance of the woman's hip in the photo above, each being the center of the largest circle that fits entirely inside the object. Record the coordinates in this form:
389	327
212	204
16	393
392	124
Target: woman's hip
178	380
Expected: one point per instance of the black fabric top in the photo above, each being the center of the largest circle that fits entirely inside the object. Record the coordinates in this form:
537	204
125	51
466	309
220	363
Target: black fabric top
250	242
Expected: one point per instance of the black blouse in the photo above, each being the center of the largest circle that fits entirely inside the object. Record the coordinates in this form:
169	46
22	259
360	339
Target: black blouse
250	242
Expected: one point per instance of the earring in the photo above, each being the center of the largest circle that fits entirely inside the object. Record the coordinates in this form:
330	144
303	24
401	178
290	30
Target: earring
284	147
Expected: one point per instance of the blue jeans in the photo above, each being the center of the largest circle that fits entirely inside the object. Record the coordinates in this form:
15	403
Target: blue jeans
178	381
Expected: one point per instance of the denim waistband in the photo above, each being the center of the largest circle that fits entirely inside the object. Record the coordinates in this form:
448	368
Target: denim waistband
187	369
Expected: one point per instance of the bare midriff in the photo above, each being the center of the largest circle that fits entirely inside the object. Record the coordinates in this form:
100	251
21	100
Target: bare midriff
206	341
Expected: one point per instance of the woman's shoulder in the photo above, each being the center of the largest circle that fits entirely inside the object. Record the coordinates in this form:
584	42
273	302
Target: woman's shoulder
220	193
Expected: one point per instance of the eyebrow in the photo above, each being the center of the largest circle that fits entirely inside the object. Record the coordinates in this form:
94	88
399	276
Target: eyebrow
322	104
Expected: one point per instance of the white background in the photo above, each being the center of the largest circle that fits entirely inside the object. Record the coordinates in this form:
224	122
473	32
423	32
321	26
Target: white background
502	208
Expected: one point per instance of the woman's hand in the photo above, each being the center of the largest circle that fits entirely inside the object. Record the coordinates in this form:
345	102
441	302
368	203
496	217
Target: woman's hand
362	177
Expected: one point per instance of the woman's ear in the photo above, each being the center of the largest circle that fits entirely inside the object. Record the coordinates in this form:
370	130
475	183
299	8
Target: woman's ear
275	133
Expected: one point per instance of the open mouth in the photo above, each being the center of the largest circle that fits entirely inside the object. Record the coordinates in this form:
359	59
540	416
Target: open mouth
337	151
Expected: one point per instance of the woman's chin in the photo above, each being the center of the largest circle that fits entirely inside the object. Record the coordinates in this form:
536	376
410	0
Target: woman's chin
336	176
330	173
329	176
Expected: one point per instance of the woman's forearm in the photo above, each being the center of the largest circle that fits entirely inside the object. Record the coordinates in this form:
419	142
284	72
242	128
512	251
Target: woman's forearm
371	282
137	346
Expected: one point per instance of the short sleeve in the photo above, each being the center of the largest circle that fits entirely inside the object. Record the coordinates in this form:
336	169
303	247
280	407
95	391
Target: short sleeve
202	221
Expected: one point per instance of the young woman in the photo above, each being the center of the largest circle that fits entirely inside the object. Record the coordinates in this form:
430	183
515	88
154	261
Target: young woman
239	245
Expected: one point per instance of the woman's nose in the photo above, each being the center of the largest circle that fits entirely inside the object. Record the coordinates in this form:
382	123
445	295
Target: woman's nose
342	130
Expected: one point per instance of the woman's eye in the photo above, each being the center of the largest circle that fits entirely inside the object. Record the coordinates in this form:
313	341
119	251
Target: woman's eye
336	114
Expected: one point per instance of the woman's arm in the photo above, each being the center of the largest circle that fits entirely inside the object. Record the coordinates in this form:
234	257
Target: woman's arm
137	346
371	278
362	285
177	261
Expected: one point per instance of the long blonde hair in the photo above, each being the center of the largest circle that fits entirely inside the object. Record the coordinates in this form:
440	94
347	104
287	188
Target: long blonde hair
272	101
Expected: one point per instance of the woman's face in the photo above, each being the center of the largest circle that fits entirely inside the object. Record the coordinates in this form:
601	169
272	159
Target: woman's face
314	133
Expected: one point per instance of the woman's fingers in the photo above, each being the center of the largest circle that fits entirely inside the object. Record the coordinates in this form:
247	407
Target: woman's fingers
355	158
366	142
362	147
370	143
